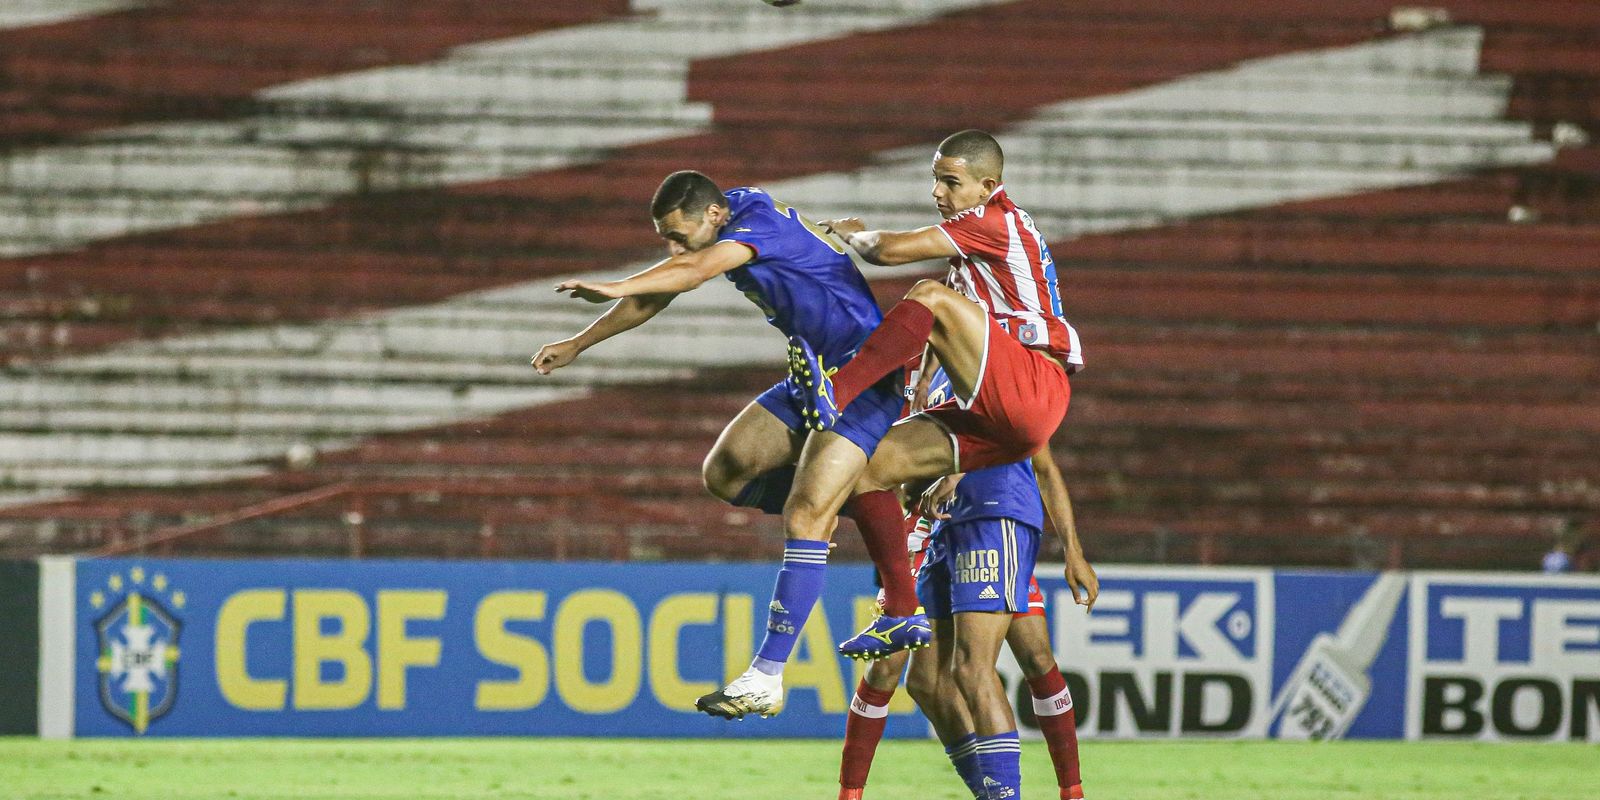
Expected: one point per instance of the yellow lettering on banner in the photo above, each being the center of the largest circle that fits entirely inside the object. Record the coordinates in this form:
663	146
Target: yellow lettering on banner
622	686
816	665
738	618
867	610
312	649
398	652
238	613
525	655
671	616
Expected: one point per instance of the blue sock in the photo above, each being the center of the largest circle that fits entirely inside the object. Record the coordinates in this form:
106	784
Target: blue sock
768	491
964	755
999	761
798	588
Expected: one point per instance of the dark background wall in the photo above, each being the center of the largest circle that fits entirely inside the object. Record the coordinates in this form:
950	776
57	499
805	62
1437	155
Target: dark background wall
19	647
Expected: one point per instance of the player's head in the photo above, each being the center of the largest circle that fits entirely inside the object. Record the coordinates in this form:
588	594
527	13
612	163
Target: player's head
966	170
688	210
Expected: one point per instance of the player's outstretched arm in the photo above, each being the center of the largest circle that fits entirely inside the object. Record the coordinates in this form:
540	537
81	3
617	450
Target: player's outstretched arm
643	296
891	248
674	275
624	316
1080	576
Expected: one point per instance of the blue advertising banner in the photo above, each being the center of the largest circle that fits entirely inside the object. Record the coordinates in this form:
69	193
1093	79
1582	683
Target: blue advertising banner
417	648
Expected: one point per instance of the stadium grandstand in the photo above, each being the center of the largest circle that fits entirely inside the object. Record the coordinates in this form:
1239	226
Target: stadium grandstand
287	512
272	271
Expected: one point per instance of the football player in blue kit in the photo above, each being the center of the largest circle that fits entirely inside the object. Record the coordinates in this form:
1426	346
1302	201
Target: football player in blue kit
974	581
806	284
949	679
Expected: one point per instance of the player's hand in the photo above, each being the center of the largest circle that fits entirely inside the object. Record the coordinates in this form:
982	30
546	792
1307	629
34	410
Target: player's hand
844	227
603	292
935	500
554	356
1081	576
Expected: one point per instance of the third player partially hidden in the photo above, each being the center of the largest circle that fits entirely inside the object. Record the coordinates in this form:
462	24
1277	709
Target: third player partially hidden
989	516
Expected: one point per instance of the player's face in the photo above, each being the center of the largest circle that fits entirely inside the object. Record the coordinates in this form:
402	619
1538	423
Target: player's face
687	234
955	189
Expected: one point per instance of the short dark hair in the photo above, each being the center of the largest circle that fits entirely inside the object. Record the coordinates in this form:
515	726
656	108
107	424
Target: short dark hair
981	152
687	191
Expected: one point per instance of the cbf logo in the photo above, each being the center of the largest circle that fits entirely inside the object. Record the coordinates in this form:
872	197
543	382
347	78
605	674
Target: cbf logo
138	646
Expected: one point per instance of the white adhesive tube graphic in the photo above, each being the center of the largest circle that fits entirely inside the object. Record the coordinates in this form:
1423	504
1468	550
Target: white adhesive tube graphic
1330	685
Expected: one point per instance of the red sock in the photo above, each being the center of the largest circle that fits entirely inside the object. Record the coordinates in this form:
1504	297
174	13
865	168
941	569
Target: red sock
899	338
869	713
1052	703
883	527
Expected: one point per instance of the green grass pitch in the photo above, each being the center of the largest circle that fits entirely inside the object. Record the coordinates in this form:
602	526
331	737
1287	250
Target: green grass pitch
573	769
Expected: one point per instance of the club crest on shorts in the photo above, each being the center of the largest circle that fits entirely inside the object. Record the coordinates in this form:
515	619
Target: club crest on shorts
137	646
1028	333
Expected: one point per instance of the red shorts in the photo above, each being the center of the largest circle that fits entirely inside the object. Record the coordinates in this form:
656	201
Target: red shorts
1019	403
1035	601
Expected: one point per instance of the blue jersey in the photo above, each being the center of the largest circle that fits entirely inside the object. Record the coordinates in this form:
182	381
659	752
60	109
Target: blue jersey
1010	490
801	279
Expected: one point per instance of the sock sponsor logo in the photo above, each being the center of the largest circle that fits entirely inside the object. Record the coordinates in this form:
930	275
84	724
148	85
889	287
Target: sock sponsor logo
996	789
862	708
777	608
1060	704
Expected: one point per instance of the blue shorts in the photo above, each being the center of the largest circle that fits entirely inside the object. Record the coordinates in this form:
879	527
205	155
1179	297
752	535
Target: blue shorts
978	565
864	422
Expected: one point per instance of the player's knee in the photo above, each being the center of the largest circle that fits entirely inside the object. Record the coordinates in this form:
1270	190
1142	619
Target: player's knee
1035	664
923	686
968	665
806	518
874	479
719	474
930	293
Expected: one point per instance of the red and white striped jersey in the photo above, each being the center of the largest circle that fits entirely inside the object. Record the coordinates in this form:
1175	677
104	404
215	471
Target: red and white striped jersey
1006	267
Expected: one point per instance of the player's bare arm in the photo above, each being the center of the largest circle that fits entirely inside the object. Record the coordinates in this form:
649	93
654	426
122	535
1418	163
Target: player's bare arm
676	275
624	316
643	296
1081	579
892	248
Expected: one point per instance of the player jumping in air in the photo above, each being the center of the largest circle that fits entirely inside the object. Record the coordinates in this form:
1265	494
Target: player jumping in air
955	682
1004	344
807	286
